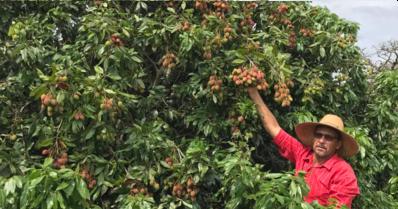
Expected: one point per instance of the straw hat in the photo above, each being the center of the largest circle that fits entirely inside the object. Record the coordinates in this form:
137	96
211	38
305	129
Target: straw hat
305	132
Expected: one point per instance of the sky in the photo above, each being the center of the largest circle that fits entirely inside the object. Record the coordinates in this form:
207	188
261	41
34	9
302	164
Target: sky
378	20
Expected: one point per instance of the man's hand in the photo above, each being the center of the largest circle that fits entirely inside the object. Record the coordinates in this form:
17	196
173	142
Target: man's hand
269	121
253	92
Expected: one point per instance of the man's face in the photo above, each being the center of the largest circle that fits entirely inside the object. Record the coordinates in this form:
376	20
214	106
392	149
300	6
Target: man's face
326	142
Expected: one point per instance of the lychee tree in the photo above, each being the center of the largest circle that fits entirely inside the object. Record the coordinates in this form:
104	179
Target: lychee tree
144	104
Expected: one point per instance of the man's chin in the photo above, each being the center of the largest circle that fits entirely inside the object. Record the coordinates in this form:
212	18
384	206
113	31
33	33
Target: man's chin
320	151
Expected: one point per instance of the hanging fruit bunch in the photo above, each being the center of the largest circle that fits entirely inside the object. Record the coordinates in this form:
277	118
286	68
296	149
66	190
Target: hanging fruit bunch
50	103
61	160
192	189
78	116
228	32
91	182
214	84
252	76
237	123
185	25
201	5
138	188
207	55
107	104
306	32
277	15
282	93
221	8
61	82
168	61
292	39
169	161
116	40
188	190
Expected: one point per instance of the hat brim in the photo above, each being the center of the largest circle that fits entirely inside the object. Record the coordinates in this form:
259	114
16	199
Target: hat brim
305	132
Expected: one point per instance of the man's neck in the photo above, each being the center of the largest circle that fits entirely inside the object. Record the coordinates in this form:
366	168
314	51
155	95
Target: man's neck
319	160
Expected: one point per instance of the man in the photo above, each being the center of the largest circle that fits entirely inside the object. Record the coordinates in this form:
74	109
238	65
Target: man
329	177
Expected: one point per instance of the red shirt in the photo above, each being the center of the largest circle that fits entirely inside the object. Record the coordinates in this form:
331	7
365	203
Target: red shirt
333	179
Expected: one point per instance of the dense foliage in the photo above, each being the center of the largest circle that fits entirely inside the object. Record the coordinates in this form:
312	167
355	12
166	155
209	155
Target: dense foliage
135	105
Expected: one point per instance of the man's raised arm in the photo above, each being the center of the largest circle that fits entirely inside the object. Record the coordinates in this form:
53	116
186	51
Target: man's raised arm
268	119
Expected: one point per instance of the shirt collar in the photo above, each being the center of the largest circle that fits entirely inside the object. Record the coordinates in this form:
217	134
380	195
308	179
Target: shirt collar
328	164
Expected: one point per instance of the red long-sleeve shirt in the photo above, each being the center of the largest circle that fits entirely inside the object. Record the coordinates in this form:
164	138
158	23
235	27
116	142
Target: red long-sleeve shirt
332	179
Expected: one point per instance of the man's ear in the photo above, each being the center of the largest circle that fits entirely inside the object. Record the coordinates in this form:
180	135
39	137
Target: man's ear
339	144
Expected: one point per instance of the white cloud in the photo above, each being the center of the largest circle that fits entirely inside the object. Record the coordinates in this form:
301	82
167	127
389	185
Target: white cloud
377	19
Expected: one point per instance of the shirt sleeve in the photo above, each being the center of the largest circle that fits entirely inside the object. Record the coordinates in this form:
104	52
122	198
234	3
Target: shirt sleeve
344	188
288	146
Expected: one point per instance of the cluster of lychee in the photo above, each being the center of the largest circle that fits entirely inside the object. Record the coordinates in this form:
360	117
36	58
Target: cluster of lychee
253	45
207	54
287	22
79	116
292	39
282	8
91	182
61	82
282	93
252	76
168	60
169	161
107	104
247	22
185	26
228	32
221	7
251	5
116	40
236	122
170	4
60	160
50	103
201	5
306	32
218	40
187	190
214	83
138	188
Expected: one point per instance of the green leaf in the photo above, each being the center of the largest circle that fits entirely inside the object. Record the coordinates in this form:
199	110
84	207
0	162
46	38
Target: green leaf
51	200
60	200
110	91
47	162
44	142
126	33
69	190
238	61
36	181
322	52
9	186
90	133
171	10
42	76
62	186
136	59
114	76
99	70
82	189
36	92
101	51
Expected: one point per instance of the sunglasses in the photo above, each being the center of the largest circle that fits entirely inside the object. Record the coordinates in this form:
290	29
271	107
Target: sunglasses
328	137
